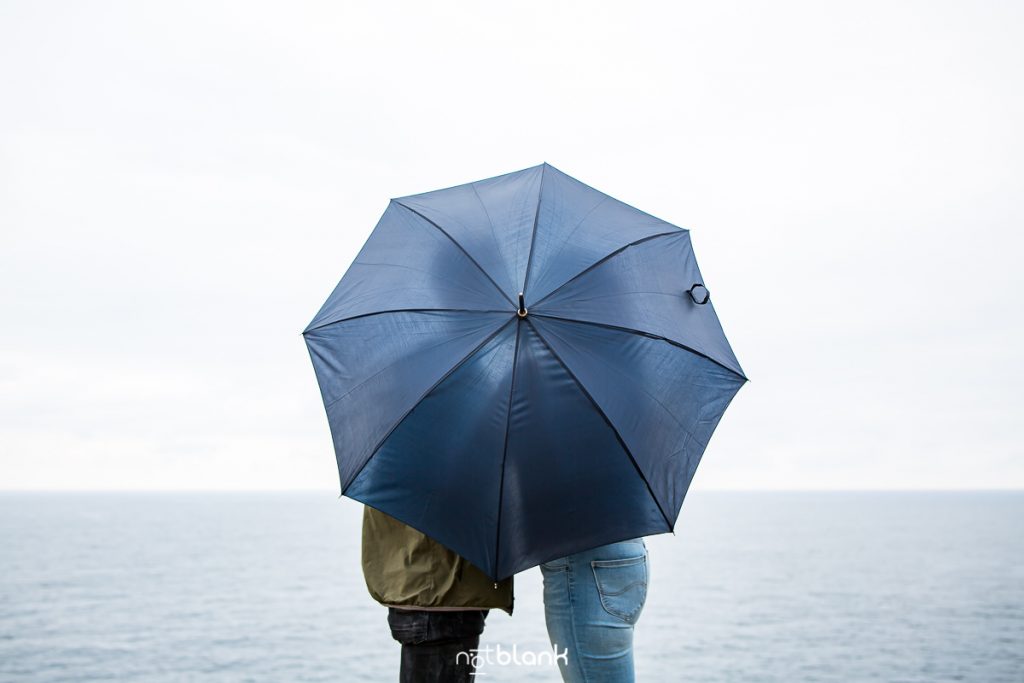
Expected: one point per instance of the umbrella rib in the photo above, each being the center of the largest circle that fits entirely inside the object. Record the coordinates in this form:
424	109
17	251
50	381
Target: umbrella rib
504	453
404	310
426	393
533	236
604	416
470	257
650	335
595	264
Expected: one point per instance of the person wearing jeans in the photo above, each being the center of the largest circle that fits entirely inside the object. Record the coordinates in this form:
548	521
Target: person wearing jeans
592	601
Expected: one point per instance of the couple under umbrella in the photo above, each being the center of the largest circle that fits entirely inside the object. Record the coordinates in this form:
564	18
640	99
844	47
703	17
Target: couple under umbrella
519	371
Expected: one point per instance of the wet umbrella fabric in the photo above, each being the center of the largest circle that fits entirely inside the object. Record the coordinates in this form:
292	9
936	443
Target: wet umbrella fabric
517	435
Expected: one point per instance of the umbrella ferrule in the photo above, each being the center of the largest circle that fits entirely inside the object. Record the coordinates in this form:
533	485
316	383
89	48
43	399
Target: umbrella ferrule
522	307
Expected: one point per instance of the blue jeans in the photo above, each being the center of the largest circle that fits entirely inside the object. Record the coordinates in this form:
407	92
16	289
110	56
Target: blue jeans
592	600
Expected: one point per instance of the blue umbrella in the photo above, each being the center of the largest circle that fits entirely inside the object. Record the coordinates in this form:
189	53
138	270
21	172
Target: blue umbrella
521	368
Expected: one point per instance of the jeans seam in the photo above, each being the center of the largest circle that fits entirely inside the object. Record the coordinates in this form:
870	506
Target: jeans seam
572	621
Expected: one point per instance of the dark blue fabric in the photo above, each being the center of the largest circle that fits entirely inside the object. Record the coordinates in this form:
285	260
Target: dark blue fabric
577	226
491	219
515	440
644	288
373	370
408	263
664	401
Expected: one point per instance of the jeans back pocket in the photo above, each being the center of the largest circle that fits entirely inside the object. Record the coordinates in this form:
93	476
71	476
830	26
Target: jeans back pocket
622	586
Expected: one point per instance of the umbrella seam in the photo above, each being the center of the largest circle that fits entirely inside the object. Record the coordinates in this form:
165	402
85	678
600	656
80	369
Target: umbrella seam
533	237
687	430
397	360
403	310
455	367
504	453
601	260
651	335
356	301
604	416
561	247
461	248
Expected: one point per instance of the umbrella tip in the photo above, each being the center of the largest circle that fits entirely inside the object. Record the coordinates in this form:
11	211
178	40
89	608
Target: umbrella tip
522	307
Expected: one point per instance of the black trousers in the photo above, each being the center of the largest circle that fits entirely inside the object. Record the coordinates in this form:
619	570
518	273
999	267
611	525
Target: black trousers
437	646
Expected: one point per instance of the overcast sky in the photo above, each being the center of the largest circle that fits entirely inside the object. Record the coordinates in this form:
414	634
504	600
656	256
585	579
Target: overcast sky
182	184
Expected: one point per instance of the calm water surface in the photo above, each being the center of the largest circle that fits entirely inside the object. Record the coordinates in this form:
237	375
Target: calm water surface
753	587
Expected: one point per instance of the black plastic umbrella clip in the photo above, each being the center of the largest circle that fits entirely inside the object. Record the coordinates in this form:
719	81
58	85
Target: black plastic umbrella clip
699	293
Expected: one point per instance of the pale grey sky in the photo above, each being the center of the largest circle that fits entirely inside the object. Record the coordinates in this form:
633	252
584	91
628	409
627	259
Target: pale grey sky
182	184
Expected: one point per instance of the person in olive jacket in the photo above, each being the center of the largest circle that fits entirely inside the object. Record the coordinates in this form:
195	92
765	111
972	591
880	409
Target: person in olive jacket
437	601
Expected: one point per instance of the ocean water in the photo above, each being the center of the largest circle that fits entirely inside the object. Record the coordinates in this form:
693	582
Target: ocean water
154	587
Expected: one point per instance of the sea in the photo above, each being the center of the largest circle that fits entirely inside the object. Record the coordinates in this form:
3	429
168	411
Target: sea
753	586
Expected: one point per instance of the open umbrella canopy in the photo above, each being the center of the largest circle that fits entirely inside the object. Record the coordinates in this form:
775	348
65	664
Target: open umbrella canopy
521	368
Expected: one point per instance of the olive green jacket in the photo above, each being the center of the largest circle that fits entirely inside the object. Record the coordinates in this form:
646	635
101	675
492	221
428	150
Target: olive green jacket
405	568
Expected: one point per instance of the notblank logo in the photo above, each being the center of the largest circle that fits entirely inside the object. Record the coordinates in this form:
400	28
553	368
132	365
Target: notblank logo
497	655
